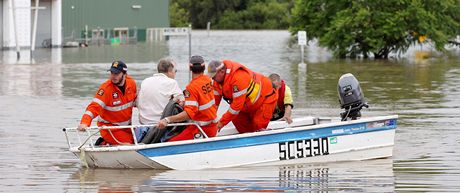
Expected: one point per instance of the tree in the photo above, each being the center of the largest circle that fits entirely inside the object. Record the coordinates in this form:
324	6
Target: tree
178	13
377	27
268	14
232	14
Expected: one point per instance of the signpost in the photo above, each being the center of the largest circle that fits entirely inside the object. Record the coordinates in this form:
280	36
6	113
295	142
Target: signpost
302	39
181	31
176	31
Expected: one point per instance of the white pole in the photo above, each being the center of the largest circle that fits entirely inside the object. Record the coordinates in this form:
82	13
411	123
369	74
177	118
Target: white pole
56	20
34	29
15	29
301	53
189	48
208	27
86	34
302	39
189	41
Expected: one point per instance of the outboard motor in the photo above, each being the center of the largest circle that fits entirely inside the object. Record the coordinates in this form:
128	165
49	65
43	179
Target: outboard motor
351	97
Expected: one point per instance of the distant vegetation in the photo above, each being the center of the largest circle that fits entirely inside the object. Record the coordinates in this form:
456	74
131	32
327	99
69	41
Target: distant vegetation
350	28
231	14
376	27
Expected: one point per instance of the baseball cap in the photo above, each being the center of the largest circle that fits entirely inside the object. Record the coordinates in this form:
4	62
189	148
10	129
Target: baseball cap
213	67
118	66
196	60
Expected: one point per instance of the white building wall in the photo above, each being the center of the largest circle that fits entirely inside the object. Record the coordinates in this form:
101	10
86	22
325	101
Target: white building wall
44	22
23	23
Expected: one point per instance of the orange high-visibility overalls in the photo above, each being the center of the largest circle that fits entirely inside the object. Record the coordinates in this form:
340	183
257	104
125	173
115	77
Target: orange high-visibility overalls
201	108
251	96
114	109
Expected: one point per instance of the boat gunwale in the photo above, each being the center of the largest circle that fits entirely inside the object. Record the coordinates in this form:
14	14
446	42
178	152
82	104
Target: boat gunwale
134	147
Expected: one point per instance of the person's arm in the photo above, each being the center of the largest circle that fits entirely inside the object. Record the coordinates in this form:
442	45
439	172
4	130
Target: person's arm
190	110
287	114
217	93
177	93
239	84
182	116
287	105
93	110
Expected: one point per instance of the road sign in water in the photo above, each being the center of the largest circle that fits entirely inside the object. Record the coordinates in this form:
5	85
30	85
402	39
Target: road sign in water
302	38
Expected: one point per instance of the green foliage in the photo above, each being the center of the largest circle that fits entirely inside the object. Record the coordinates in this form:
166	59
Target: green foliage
258	15
178	14
378	27
233	14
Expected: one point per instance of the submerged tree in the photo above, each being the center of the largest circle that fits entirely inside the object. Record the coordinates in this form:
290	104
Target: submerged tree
378	27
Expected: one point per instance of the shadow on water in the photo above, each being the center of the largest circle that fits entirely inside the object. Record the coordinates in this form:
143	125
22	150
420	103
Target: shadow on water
368	176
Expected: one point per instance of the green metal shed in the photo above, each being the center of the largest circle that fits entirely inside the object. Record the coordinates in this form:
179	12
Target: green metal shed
112	19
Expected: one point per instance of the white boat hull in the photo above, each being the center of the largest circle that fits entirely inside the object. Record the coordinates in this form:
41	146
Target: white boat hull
329	142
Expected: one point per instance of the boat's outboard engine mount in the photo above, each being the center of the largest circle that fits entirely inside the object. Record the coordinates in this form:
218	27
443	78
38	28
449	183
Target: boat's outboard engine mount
351	97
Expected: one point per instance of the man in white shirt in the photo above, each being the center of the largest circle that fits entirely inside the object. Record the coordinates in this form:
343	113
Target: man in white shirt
156	91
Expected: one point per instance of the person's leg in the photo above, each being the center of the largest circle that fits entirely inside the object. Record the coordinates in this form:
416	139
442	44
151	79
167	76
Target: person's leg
242	122
121	135
192	132
186	134
262	116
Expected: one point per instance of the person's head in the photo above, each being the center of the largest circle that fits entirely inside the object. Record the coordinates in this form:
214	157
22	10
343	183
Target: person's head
118	71
167	66
197	64
216	70
276	80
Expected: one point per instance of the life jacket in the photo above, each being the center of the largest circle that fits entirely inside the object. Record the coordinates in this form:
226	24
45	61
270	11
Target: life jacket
281	92
280	109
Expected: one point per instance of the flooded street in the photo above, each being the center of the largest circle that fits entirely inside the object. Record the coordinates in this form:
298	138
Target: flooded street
40	97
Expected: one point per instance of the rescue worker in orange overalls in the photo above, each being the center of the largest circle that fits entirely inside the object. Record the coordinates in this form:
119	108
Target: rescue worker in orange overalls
251	95
199	105
113	103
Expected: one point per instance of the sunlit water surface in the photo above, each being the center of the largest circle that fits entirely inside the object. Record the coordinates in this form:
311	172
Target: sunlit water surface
41	96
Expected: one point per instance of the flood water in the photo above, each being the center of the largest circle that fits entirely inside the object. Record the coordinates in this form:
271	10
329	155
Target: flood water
39	97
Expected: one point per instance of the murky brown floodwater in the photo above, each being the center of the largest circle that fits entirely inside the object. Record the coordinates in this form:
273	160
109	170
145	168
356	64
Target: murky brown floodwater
38	98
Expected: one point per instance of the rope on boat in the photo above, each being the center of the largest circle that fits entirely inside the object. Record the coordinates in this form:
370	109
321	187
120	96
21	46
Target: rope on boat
89	137
82	151
83	157
121	143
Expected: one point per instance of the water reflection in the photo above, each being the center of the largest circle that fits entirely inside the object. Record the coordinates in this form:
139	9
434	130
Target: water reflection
31	79
142	53
368	176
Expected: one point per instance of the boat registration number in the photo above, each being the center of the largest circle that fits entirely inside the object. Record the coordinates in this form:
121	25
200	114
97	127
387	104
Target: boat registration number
303	148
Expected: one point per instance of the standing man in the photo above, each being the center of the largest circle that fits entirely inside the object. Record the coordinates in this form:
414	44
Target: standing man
284	104
199	105
113	103
251	95
156	91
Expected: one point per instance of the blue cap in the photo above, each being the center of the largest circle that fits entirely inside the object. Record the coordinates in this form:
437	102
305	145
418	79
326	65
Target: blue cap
118	66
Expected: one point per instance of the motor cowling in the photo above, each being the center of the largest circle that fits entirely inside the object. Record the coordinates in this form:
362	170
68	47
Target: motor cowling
351	97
